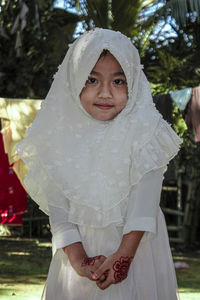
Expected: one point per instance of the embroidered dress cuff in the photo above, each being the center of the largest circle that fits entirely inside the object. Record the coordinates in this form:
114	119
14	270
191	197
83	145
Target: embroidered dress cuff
64	232
65	238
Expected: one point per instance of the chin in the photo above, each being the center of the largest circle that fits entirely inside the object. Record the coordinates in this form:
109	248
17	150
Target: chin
106	118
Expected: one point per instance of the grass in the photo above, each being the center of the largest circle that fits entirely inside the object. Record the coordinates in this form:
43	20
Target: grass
189	279
23	268
24	265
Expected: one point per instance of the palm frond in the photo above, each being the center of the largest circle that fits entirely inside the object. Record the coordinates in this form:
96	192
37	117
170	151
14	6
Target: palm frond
181	10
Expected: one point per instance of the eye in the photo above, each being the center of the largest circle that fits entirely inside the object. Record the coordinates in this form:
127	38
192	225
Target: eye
119	81
91	80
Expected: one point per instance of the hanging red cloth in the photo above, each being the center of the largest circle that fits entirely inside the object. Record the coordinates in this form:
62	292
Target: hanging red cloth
12	195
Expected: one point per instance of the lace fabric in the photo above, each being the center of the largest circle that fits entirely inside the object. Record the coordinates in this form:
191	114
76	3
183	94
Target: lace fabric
95	163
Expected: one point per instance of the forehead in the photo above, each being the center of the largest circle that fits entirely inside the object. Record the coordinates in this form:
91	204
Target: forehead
107	63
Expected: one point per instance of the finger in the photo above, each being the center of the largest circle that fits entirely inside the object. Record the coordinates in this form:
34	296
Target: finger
102	258
101	286
105	284
89	274
102	269
98	262
96	266
103	277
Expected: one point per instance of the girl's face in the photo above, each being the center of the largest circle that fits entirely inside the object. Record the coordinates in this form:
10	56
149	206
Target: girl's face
105	93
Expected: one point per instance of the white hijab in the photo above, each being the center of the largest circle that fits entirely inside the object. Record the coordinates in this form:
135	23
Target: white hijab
93	163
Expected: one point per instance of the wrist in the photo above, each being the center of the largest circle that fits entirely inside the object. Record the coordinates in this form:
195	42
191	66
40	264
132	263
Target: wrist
77	261
125	252
75	252
130	243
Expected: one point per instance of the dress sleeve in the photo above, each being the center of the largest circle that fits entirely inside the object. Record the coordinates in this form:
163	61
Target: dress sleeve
143	205
64	233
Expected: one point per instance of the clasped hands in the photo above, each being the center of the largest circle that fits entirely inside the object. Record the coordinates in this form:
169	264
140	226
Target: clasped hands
106	271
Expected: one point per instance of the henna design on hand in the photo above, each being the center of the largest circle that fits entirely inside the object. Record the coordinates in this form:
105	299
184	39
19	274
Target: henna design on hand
121	268
89	261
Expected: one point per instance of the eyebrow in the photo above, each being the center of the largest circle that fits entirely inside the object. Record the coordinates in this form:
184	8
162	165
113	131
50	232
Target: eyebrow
115	74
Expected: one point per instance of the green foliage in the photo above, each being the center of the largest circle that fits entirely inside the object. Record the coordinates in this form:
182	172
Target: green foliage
117	15
182	11
173	63
23	267
94	13
27	66
179	122
188	279
30	56
190	151
125	16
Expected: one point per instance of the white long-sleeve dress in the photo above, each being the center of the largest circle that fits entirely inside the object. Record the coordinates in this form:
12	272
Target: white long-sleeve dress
151	274
101	179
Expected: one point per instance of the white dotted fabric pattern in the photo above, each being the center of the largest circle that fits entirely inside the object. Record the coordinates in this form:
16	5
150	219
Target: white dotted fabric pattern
95	163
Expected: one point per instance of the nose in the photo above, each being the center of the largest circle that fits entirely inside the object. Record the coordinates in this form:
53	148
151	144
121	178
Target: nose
104	91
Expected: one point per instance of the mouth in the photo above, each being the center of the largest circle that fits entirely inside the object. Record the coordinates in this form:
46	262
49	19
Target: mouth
104	106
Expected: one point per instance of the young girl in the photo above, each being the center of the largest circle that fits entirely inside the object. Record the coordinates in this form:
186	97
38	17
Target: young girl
96	153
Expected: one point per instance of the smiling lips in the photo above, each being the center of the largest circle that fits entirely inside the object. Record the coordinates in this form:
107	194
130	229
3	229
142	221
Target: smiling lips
104	106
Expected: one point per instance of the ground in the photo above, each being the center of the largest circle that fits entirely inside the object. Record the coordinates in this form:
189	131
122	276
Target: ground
23	268
24	265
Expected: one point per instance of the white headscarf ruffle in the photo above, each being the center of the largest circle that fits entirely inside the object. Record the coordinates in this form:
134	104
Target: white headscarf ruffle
94	163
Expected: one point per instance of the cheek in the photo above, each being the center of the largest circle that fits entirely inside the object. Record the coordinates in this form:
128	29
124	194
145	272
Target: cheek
122	101
123	97
82	95
126	94
86	94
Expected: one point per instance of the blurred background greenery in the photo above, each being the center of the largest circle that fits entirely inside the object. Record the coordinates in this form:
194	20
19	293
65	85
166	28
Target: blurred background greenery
35	35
